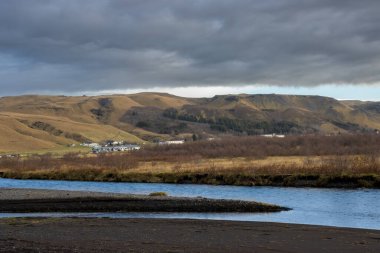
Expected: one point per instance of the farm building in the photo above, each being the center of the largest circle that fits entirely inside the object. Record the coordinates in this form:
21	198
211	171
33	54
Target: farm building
106	149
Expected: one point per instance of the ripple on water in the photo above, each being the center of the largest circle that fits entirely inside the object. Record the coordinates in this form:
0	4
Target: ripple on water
331	207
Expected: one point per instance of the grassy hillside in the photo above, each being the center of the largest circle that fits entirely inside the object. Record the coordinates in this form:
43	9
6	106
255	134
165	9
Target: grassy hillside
54	122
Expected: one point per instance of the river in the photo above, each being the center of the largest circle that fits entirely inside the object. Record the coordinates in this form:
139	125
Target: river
359	208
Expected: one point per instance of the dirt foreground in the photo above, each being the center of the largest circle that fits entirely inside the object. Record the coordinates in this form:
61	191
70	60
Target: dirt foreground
164	235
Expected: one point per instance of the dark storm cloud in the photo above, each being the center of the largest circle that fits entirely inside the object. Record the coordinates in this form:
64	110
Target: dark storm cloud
70	45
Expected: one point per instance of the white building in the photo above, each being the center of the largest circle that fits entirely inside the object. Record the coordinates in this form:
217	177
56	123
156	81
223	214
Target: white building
106	149
90	145
273	135
171	142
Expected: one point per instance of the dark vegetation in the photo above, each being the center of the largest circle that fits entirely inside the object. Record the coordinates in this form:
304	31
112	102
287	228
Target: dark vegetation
349	126
150	119
372	107
56	132
344	161
105	109
224	124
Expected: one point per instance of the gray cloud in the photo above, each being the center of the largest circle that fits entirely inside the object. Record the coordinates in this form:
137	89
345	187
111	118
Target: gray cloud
69	45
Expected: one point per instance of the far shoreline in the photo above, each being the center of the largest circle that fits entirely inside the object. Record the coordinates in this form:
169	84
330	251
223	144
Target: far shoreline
367	181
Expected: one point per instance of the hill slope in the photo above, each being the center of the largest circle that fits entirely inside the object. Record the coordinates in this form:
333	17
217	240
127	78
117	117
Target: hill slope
47	122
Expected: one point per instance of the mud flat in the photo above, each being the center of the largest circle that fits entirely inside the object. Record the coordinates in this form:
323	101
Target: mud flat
31	200
170	235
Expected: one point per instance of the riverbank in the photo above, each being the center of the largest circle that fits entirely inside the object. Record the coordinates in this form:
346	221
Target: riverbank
343	161
231	177
348	171
31	200
162	235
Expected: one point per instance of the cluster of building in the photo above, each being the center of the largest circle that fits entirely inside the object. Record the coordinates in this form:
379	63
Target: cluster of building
171	142
273	135
117	148
110	146
10	156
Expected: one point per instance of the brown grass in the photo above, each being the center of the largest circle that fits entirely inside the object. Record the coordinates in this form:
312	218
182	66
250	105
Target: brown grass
262	147
230	161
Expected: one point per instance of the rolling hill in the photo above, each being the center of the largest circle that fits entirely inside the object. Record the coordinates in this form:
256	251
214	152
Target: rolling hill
32	122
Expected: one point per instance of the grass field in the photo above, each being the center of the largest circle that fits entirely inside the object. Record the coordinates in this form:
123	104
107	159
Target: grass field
328	171
344	161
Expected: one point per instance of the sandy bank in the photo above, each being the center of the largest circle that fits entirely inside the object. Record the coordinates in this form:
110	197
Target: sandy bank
30	200
160	235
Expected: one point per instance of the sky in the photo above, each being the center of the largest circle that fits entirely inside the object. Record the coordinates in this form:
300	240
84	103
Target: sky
191	48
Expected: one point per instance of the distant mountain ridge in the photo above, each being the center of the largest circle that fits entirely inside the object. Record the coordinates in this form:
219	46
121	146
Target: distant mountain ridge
33	122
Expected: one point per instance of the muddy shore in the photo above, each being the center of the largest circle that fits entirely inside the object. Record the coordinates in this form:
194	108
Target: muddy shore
31	200
170	235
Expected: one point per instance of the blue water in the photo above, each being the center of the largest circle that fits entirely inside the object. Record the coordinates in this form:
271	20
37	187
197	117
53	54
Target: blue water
332	207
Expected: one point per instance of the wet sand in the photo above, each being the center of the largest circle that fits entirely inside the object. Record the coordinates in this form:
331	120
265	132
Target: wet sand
31	200
28	194
168	235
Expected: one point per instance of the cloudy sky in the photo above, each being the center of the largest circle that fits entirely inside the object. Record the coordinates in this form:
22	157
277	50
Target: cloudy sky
195	48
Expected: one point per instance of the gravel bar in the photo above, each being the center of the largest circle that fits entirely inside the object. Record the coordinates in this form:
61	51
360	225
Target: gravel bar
32	200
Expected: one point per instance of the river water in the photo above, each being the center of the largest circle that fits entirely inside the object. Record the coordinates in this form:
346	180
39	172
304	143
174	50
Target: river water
358	208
